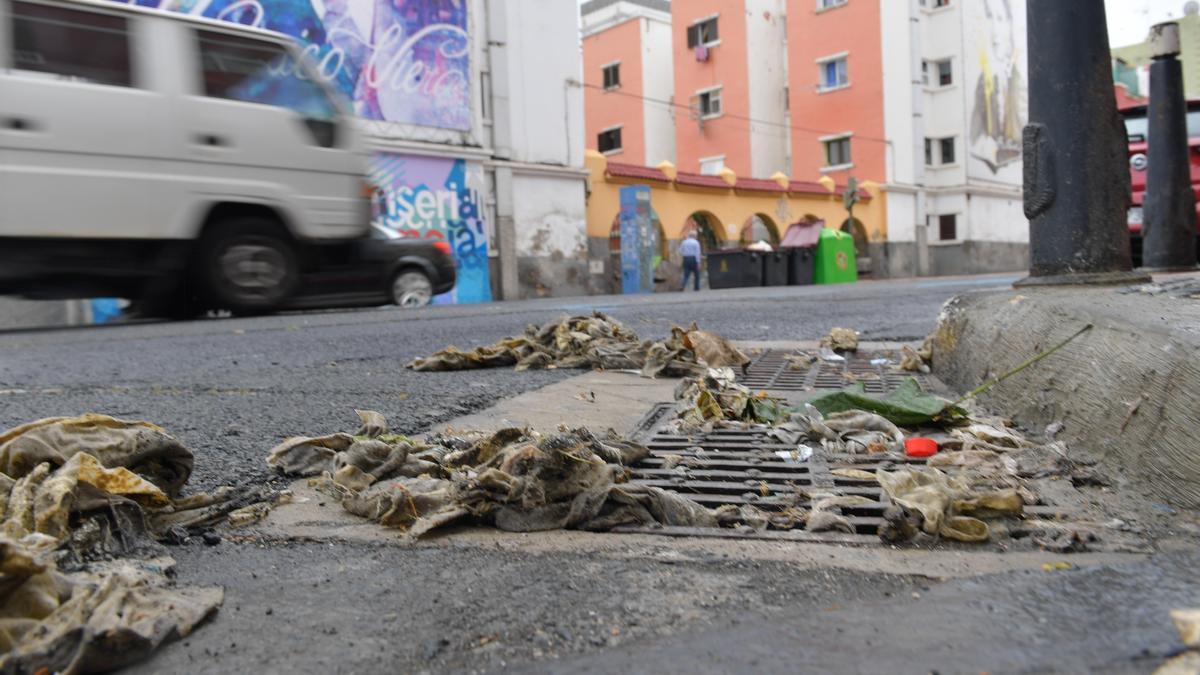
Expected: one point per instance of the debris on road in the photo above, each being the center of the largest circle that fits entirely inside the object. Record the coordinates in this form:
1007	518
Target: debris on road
841	340
799	361
714	398
908	405
514	479
1187	622
596	341
942	504
96	619
79	497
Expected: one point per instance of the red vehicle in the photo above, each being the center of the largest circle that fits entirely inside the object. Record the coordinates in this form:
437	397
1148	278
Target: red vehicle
1136	126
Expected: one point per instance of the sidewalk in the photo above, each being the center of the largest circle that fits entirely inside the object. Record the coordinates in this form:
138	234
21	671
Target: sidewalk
1128	390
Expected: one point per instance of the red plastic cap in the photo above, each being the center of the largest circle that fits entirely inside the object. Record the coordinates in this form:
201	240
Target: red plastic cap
920	447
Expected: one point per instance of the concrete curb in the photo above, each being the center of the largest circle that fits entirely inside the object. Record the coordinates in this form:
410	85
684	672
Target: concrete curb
1127	391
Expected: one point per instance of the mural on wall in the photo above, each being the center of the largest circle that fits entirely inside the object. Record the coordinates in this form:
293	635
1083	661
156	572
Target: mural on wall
405	61
437	198
999	107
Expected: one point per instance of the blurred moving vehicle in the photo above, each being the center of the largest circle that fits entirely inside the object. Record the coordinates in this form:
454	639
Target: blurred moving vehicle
1136	128
385	269
186	163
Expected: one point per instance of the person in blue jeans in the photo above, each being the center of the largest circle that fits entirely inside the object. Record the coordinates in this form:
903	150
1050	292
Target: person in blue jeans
689	248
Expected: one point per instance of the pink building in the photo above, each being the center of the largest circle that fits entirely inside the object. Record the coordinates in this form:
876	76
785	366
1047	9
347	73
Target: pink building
731	83
627	79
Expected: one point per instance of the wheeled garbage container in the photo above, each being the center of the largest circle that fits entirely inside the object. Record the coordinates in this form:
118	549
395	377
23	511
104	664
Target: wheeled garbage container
775	268
734	269
800	265
835	258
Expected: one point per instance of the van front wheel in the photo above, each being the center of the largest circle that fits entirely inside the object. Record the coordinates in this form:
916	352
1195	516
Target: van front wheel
247	267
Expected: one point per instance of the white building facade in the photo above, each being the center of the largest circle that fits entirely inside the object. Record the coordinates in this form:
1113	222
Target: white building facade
955	104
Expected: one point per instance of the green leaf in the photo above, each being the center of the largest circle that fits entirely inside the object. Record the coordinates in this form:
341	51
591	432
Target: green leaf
907	406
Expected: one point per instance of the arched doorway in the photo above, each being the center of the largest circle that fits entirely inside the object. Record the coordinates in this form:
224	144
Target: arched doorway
707	228
759	227
659	245
862	254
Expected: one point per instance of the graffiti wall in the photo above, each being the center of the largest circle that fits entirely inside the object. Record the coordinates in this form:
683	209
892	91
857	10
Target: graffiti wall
404	61
437	198
998	97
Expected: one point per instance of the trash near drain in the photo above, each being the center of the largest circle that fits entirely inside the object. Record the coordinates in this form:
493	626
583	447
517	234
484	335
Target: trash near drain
595	341
844	477
83	501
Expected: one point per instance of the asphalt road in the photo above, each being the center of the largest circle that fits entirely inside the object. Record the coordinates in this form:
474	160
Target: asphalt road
232	388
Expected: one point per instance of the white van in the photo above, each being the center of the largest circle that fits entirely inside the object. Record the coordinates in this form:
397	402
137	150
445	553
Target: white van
181	161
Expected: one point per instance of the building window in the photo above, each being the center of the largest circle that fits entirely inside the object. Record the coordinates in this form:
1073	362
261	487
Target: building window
936	4
938	73
947	227
609	141
711	166
945	151
71	43
703	33
829	4
945	74
837	151
708	103
832	73
612	76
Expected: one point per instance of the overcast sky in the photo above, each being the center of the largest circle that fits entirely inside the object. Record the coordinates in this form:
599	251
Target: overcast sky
1129	20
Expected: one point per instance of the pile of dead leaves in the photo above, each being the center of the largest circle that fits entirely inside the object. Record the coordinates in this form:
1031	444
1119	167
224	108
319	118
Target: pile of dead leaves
716	400
513	479
77	496
598	342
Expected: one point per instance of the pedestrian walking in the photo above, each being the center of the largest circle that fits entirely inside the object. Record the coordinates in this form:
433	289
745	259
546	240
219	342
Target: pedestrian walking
690	250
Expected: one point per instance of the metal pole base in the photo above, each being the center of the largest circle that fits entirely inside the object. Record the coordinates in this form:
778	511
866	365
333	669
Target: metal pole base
1085	279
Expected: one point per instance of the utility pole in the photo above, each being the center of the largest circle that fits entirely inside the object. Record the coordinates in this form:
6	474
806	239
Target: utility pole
1169	232
1075	151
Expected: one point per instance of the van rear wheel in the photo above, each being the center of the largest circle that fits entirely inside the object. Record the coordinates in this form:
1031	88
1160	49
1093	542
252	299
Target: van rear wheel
247	266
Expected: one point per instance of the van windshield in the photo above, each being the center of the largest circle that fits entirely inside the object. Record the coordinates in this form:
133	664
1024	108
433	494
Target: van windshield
1138	127
257	71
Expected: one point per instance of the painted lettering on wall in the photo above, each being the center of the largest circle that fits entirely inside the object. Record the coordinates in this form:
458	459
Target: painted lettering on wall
438	198
405	61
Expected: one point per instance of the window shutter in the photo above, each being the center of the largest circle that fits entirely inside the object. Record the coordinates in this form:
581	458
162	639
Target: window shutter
693	36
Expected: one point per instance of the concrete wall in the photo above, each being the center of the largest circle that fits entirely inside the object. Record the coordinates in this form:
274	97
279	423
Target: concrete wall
766	45
658	78
551	227
545	65
16	313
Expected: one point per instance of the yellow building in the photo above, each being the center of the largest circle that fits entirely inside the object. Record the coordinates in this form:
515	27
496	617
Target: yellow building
726	211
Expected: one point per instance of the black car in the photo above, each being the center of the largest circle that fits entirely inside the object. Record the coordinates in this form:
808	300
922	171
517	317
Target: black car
407	272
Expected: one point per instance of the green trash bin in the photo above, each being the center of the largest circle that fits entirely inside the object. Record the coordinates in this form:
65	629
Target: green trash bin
835	262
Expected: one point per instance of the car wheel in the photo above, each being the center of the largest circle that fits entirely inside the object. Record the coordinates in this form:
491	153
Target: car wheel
248	267
411	288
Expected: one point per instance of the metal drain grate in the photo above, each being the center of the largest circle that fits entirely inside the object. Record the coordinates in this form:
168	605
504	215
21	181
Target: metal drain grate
746	467
771	371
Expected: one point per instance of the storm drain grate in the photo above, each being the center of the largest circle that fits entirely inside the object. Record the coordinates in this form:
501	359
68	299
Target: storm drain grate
745	467
771	370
